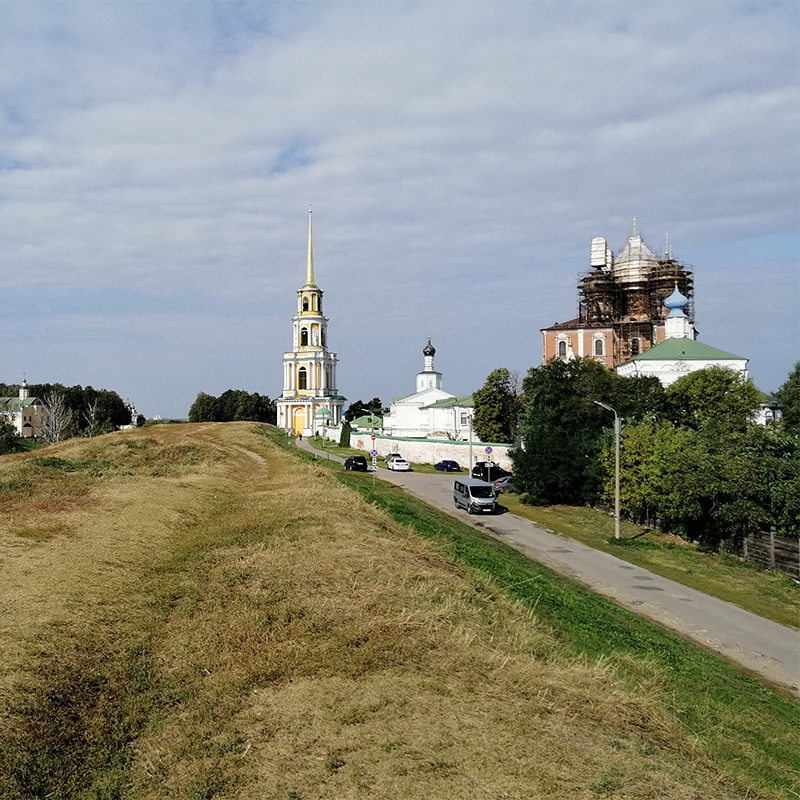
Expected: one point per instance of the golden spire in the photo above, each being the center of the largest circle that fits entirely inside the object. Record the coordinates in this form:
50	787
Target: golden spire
310	267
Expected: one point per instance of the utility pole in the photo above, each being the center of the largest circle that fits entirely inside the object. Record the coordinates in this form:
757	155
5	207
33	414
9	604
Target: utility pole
616	464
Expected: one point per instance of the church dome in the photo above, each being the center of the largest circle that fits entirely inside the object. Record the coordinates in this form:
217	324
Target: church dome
429	349
676	303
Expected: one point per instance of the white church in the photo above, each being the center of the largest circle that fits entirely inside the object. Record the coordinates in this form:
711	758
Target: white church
430	412
680	353
310	400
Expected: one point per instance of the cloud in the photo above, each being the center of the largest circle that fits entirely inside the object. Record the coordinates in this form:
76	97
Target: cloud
158	159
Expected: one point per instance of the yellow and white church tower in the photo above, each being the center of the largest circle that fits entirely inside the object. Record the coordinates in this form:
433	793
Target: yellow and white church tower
310	399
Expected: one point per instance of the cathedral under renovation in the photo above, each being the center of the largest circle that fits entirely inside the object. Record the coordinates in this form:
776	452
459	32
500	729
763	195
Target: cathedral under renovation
621	310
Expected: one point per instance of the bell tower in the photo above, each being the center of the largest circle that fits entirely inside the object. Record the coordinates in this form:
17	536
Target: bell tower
310	399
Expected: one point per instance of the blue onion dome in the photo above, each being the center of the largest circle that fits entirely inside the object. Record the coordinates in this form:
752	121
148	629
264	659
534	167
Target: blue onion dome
676	303
429	349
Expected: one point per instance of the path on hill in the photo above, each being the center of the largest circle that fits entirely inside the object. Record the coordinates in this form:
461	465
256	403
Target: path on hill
758	644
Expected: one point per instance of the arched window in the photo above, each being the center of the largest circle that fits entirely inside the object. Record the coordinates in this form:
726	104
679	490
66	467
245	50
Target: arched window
305	304
635	347
303	337
322	337
598	347
562	349
302	378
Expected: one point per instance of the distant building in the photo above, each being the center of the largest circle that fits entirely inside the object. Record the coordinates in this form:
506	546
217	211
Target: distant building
310	399
25	413
679	353
621	309
430	412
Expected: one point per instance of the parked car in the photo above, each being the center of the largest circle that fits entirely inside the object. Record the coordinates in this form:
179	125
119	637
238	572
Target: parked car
489	471
504	485
448	466
398	464
356	463
391	457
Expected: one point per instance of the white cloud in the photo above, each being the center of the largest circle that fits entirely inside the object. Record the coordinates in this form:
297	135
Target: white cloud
159	158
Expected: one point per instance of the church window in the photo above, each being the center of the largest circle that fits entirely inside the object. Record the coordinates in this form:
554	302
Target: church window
302	378
305	304
562	349
304	337
598	347
322	337
635	347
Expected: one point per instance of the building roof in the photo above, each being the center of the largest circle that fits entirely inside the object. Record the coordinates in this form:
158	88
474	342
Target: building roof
368	421
15	403
449	402
685	350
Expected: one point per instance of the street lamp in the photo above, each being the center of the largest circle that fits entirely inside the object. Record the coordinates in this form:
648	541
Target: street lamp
616	464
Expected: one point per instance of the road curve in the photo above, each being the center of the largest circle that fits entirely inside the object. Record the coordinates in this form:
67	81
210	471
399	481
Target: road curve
760	645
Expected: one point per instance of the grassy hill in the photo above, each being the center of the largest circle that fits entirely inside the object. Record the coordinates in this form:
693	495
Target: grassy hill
195	611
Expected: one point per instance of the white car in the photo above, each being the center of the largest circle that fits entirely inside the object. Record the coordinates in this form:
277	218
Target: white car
398	464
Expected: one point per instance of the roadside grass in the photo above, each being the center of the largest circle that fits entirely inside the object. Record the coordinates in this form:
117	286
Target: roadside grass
769	594
731	716
222	619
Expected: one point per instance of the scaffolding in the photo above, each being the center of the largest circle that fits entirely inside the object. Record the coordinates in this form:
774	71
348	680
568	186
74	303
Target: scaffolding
630	299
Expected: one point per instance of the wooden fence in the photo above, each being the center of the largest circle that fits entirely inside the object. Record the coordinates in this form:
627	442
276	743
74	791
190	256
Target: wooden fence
765	548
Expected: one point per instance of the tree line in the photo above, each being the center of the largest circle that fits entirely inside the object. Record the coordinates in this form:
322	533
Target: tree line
72	411
233	405
692	459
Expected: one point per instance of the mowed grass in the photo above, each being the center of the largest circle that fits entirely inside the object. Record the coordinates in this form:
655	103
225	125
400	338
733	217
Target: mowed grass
769	594
203	615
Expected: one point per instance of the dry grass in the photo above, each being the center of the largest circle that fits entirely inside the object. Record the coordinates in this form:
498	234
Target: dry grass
215	619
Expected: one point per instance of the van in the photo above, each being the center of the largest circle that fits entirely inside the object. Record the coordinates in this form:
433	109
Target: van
476	496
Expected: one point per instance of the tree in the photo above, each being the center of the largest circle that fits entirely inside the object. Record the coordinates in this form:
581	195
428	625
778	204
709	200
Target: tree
789	397
561	431
204	409
8	437
715	395
57	417
344	436
361	409
496	408
233	405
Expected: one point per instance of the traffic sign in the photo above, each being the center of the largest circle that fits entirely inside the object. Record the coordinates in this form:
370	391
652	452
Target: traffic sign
373	437
374	453
488	451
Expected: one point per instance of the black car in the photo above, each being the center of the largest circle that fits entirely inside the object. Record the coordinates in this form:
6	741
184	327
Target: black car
448	466
356	463
488	471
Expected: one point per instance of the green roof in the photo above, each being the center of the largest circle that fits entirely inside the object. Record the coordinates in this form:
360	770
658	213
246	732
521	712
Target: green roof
449	402
15	403
685	350
368	421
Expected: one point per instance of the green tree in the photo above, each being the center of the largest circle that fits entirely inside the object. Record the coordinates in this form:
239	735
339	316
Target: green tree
205	409
715	396
562	431
361	409
789	397
496	408
8	437
344	436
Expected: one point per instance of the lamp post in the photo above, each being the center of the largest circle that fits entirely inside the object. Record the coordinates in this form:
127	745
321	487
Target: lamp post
616	464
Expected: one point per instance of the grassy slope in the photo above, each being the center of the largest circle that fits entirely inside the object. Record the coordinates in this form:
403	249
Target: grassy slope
193	613
769	594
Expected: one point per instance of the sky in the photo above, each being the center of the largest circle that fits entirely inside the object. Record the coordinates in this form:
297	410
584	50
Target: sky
158	159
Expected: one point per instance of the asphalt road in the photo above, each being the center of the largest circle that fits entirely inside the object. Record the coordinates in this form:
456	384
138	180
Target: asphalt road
758	644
